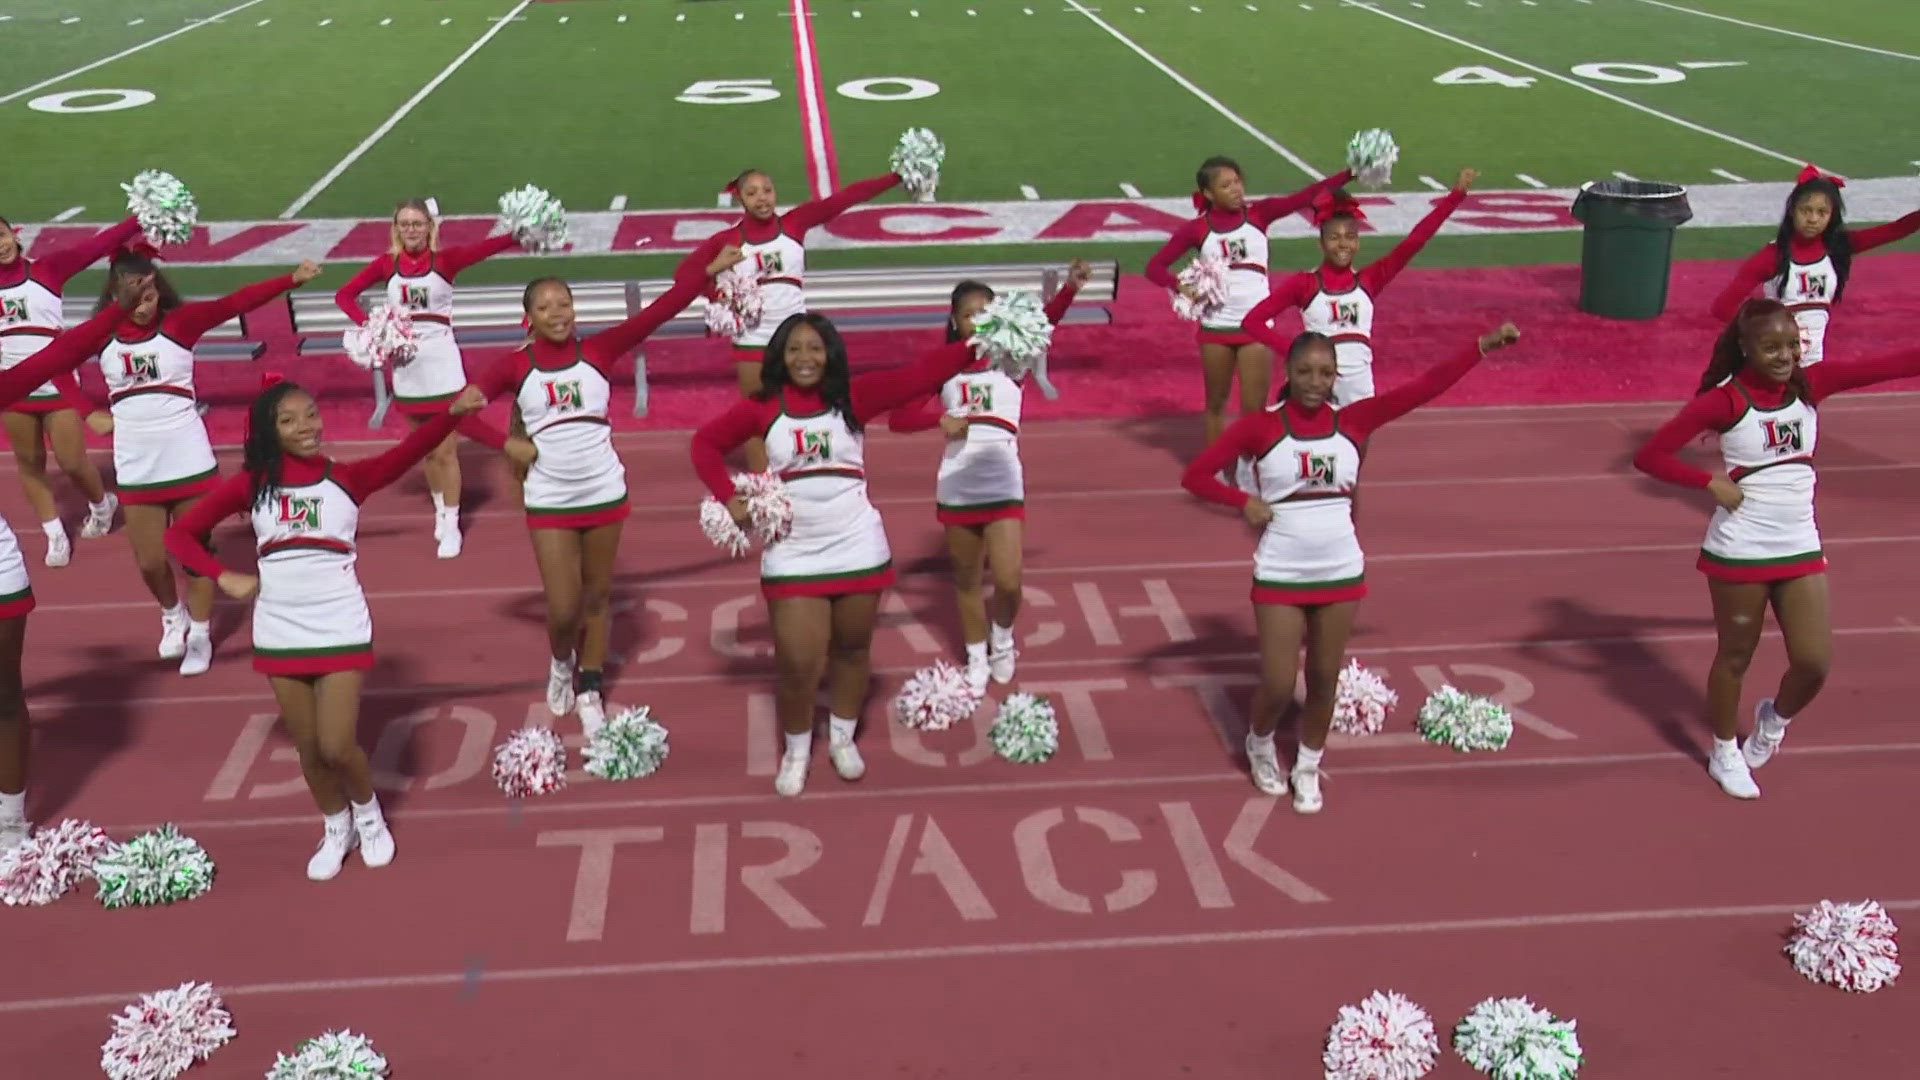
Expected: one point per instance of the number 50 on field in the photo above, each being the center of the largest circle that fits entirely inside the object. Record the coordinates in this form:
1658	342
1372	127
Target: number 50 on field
754	91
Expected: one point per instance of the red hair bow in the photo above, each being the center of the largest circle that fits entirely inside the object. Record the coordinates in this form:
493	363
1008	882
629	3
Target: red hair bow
139	247
1201	202
271	379
1327	204
1811	172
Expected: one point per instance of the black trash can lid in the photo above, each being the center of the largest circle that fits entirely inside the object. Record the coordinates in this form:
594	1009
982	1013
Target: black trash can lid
1632	189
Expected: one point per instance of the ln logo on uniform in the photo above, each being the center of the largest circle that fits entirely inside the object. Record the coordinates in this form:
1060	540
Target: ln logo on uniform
141	367
13	309
1234	250
769	263
1783	436
1316	469
563	395
414	296
300	512
810	445
976	397
1813	286
1344	312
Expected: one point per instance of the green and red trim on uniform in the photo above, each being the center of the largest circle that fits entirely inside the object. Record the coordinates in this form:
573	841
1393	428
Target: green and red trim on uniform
740	354
39	406
579	517
14	605
1234	337
981	513
872	579
1754	571
169	491
424	407
322	661
1309	593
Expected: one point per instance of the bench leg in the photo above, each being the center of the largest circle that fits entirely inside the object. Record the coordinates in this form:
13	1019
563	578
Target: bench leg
640	383
382	398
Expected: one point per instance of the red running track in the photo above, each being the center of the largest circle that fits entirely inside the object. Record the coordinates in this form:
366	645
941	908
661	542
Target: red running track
1132	908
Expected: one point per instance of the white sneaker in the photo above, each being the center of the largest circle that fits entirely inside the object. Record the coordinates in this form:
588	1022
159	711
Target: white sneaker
560	687
846	759
59	549
792	778
446	530
100	518
13	833
1265	766
173	635
1306	791
593	712
198	653
1728	767
376	841
1768	731
1000	663
334	845
977	671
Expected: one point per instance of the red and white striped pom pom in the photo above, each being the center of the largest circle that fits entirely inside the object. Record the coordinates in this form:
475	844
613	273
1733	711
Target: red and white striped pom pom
384	341
736	304
716	521
1206	275
43	868
1385	1037
1851	946
1363	701
532	762
767	505
164	1033
936	698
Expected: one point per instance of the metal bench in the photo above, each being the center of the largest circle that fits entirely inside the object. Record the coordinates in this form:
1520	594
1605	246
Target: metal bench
228	341
855	299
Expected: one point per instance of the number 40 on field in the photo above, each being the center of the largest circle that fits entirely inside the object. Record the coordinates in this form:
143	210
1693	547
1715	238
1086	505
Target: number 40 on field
1613	72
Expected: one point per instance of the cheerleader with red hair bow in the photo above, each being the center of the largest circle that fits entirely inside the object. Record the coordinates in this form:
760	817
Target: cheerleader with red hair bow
1807	264
1336	300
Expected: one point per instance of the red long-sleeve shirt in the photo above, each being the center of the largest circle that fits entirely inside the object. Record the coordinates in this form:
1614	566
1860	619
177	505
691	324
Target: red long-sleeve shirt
72	347
924	412
448	262
1254	434
1760	266
186	537
54	269
1298	290
796	223
873	394
1261	213
1719	407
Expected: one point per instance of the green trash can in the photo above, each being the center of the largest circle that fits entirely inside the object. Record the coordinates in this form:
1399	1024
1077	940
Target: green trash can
1626	251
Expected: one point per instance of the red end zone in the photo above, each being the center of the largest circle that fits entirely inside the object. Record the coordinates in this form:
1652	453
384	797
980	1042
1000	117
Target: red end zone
1132	907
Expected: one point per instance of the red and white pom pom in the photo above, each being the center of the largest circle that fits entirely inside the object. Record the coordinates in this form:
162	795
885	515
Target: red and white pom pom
1385	1037
1363	701
736	305
768	508
165	1033
42	869
1851	946
532	762
1206	275
384	341
936	698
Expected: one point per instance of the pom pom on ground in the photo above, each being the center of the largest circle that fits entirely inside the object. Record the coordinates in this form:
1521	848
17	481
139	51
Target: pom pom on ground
769	510
1509	1039
736	306
384	341
935	698
160	867
1013	331
48	865
917	158
1025	730
164	1033
532	762
1851	946
1371	155
163	205
1464	722
1363	701
337	1055
1385	1037
1206	275
630	745
535	218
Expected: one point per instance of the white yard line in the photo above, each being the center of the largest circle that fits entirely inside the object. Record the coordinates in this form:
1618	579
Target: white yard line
1570	81
1265	140
1781	30
69	213
400	114
148	44
1724	174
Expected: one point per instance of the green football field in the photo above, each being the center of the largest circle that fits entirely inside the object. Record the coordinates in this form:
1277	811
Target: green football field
287	109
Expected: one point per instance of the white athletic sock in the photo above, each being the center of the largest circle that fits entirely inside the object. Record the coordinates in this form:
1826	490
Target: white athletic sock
799	743
842	728
1309	759
97	507
366	811
976	652
1772	718
197	628
54	528
1725	746
13	806
439	503
1002	637
338	823
1258	744
177	611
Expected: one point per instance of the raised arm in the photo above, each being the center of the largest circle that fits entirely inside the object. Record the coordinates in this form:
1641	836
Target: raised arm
1830	378
877	392
364	477
1249	436
1659	457
186	538
820	211
1362	418
1376	276
55	268
1879	235
73	347
455	259
609	345
718	437
1265	212
348	296
1749	276
923	413
189	322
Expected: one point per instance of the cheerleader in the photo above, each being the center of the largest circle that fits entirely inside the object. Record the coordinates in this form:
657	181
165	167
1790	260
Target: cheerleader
774	245
54	359
575	489
162	458
1338	301
30	314
418	277
1807	265
1762	546
1231	228
1309	572
824	579
980	494
312	633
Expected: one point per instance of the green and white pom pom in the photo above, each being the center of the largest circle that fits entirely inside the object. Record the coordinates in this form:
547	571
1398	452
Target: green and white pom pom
1371	155
535	218
917	158
1509	1039
1013	332
163	205
160	867
630	745
337	1055
1025	730
1464	722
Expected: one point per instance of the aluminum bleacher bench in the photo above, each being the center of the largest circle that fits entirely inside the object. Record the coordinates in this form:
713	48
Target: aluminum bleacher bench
228	341
874	299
